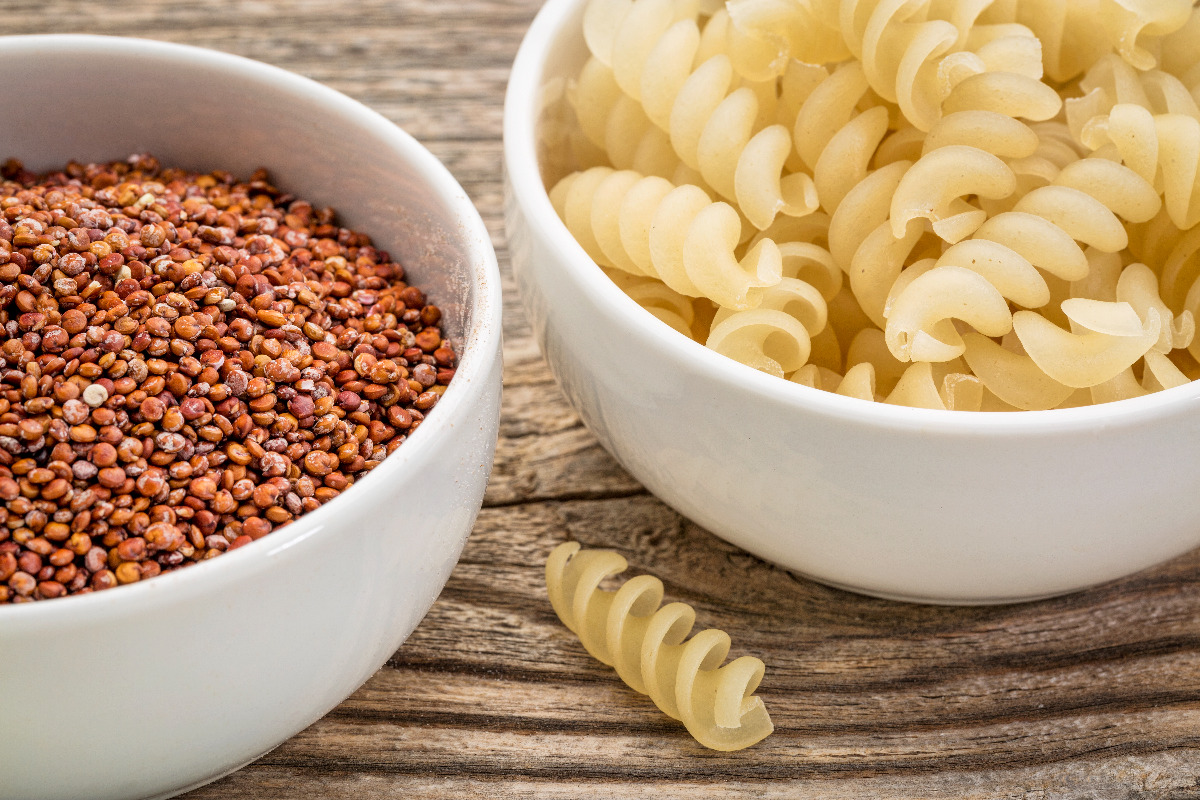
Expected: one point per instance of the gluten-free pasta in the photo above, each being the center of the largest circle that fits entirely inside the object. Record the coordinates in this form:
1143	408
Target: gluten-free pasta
954	204
647	644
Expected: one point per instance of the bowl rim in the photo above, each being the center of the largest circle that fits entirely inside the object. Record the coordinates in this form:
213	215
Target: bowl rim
523	176
480	340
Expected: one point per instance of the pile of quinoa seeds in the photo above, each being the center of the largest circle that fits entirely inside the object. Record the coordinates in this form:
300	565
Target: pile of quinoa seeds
188	362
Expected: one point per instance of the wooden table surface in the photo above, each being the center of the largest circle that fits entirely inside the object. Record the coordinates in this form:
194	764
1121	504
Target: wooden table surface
1095	695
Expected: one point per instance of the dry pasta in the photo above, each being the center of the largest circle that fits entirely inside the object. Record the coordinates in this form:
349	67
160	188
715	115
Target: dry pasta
651	47
647	644
949	204
645	225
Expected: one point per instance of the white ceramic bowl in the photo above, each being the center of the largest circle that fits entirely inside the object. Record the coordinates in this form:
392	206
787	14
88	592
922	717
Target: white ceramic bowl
150	689
905	503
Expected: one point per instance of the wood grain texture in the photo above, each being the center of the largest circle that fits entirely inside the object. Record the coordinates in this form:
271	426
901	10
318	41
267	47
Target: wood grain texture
1095	695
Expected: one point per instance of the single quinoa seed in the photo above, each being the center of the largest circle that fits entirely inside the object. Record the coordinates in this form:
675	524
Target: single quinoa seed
188	362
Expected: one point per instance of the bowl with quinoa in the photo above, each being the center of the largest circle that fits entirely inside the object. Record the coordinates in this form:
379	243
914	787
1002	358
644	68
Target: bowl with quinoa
248	405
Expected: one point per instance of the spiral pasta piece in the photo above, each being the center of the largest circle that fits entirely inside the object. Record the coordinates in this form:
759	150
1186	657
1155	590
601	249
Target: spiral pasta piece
1075	34
935	188
645	225
1110	338
645	643
917	328
858	382
974	280
1138	286
783	32
617	125
711	121
1111	82
1011	376
834	138
898	46
1181	51
776	337
660	300
919	388
1164	149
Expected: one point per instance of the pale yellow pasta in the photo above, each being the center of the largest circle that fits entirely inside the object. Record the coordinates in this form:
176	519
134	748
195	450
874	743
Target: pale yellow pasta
1177	254
659	299
1162	373
1041	231
1164	149
617	125
647	644
1104	271
1111	82
1012	275
1012	377
917	323
1138	286
646	226
876	265
863	209
711	122
858	382
770	341
1055	151
913	214
1077	33
990	131
935	188
1180	51
918	388
776	337
905	144
789	30
1106	339
812	264
899	51
869	348
834	138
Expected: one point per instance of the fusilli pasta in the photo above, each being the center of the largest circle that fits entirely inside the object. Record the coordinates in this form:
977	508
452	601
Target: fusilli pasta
949	204
646	226
712	122
648	647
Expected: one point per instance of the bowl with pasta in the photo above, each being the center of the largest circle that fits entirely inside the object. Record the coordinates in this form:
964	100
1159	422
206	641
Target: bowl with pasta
899	296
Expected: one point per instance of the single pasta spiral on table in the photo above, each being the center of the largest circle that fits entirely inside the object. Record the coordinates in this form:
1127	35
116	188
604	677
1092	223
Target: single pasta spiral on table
645	643
647	226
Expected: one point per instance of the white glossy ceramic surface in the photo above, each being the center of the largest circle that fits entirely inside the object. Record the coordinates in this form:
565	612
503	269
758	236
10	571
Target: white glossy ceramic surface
904	503
153	688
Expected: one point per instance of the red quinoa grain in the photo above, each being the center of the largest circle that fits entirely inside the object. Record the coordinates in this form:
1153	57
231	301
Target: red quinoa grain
188	363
